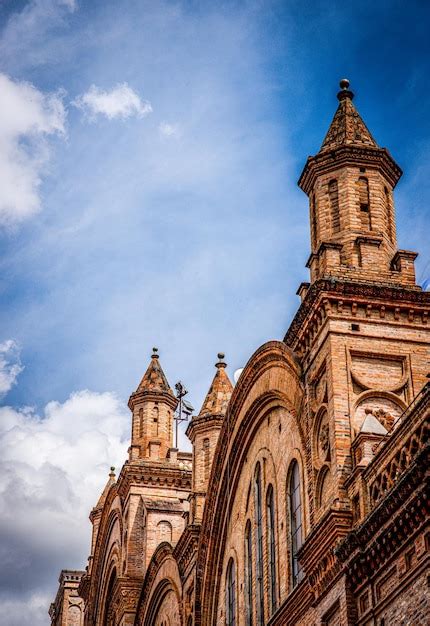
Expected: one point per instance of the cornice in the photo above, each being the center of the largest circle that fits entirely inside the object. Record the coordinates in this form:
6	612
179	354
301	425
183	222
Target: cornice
354	156
203	423
350	289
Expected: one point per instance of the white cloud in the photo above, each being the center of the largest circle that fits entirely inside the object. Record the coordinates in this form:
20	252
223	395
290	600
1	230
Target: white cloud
53	468
168	130
28	118
10	365
122	101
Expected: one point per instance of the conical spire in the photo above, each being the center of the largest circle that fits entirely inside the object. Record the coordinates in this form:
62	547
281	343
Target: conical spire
347	127
110	482
220	391
154	380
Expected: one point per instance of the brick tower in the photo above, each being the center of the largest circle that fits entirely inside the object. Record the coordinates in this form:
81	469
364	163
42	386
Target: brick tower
203	433
350	186
361	331
152	405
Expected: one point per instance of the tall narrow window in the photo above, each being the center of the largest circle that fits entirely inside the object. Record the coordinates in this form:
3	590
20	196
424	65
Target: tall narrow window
140	422
271	544
389	214
363	194
155	415
295	506
206	458
334	206
231	594
259	550
248	574
314	222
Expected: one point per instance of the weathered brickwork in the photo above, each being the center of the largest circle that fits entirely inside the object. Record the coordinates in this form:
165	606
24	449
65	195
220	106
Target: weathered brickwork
305	499
68	607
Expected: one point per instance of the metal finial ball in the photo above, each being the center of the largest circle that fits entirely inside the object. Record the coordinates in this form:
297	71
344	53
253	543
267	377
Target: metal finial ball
112	469
154	350
344	83
221	355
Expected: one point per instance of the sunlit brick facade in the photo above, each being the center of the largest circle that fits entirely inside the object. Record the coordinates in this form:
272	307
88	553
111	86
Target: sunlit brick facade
305	499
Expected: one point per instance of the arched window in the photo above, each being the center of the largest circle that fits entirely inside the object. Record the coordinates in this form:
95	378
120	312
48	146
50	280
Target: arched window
259	550
271	545
389	214
206	459
295	515
155	416
231	594
334	206
248	574
363	194
314	222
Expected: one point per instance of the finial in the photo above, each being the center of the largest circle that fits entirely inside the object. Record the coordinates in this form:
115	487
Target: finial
154	353
345	91
112	472
221	362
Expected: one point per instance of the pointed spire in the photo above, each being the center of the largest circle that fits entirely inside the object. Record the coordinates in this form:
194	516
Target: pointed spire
154	379
220	391
110	482
347	127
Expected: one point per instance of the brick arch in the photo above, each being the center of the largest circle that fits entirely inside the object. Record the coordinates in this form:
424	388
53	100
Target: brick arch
108	561
270	380
162	578
107	553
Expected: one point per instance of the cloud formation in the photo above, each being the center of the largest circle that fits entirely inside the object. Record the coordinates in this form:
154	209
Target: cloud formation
52	469
168	130
10	365
120	102
29	118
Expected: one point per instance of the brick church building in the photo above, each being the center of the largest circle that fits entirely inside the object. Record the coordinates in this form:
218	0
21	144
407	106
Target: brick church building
304	500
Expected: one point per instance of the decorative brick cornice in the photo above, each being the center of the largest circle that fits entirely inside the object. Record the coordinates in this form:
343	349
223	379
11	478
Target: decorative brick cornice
150	472
353	156
317	555
325	289
200	423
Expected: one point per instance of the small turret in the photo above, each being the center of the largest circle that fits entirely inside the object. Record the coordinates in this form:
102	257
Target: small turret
152	404
350	185
203	433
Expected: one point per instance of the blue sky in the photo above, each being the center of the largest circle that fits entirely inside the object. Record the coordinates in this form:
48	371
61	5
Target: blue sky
172	219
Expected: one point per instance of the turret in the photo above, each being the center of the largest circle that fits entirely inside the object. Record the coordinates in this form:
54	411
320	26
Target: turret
350	185
153	405
203	433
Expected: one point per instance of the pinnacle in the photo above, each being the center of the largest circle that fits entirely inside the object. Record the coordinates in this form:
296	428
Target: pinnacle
154	379
347	127
103	496
220	391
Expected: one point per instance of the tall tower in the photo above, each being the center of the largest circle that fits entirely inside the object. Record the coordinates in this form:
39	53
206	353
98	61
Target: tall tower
362	330
203	433
350	185
153	405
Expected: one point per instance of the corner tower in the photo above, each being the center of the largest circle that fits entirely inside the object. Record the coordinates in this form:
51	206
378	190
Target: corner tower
152	405
350	185
362	331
